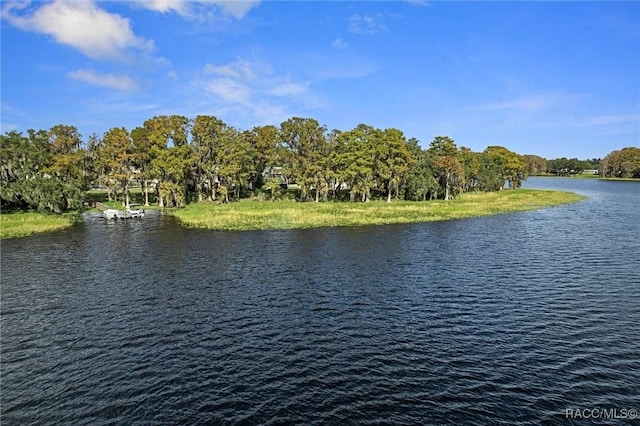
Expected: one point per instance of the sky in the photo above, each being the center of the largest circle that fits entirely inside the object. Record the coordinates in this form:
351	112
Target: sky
555	79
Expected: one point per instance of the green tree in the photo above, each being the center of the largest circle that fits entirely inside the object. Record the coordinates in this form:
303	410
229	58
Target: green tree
267	151
29	178
514	167
118	160
66	155
143	152
536	165
355	157
90	159
421	183
235	157
393	160
305	140
560	166
447	165
167	138
491	173
331	172
65	147
209	135
22	160
624	163
172	166
471	163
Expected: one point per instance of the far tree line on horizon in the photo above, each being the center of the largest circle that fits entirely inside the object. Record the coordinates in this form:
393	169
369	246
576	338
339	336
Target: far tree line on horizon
176	160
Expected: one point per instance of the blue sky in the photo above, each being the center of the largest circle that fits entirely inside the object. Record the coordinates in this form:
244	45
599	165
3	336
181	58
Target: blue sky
548	78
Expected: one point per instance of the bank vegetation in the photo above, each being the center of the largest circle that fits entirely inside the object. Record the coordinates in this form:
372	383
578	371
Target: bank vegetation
21	224
248	215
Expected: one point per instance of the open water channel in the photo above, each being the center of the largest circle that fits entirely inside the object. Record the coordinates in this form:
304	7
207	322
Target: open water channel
510	319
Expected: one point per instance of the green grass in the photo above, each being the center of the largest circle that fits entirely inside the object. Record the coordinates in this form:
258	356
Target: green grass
22	224
252	215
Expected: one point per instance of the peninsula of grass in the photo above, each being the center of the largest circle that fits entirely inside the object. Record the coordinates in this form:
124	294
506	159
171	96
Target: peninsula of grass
22	224
260	215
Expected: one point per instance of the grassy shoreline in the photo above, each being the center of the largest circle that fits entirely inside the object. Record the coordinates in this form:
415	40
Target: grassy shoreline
259	215
255	215
23	224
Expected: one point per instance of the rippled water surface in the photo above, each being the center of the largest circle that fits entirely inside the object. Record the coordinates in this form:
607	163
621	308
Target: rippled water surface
510	319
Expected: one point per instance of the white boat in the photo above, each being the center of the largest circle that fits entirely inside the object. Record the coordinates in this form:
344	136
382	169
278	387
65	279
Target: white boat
128	213
111	214
134	213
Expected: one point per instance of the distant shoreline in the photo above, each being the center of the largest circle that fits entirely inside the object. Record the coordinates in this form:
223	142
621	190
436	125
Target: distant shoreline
582	176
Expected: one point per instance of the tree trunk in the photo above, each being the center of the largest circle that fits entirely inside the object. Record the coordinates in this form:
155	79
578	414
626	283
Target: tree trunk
145	186
447	184
212	186
125	193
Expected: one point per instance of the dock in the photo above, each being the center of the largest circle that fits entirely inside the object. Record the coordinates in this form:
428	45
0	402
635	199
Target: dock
116	214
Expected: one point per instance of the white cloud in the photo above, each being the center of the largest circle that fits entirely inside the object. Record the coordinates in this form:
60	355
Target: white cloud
244	81
202	9
290	89
166	6
271	113
423	3
238	69
365	24
236	8
81	25
251	93
114	81
229	90
339	43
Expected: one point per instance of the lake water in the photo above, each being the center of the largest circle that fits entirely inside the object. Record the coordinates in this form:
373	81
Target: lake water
510	319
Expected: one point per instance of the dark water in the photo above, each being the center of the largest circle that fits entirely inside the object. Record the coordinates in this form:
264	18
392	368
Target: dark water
509	319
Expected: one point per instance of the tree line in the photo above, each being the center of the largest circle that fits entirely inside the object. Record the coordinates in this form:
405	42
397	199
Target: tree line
176	160
624	163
